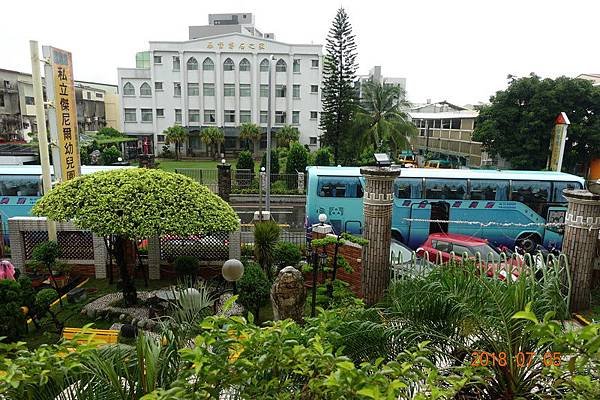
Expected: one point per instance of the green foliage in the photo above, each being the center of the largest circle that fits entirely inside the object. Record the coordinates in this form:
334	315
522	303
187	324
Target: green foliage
266	235
46	253
252	132
343	296
110	155
138	203
286	135
247	250
109	132
186	266
44	298
245	161
517	124
176	135
286	253
11	319
297	159
84	155
323	157
27	291
254	288
212	136
274	162
166	152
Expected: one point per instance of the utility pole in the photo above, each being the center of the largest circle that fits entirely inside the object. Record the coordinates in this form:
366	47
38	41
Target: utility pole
427	138
269	126
40	116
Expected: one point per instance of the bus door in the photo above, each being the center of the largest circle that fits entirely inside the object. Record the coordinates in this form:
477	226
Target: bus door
440	210
419	230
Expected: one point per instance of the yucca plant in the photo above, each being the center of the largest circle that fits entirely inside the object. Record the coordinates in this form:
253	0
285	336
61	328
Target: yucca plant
266	235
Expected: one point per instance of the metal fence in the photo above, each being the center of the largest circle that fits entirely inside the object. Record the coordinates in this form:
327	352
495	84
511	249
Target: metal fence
245	181
207	177
210	247
74	245
298	237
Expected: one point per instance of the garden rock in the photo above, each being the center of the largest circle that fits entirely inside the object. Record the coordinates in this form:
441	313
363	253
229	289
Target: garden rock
288	295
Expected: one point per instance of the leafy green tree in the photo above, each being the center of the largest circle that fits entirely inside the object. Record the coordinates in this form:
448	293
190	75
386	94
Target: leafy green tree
245	161
518	122
286	253
380	119
11	318
266	235
297	159
110	155
323	157
338	94
136	203
109	132
43	300
254	288
175	134
274	161
286	135
252	132
212	136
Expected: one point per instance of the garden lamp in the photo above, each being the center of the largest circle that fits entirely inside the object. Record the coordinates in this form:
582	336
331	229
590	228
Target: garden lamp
232	271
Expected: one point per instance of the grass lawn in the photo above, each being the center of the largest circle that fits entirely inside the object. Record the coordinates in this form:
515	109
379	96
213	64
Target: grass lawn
170	165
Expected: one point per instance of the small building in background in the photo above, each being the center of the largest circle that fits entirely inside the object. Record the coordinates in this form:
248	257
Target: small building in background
594	78
375	75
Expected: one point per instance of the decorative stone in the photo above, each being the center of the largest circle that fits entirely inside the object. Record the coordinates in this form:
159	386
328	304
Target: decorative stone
122	317
91	313
288	295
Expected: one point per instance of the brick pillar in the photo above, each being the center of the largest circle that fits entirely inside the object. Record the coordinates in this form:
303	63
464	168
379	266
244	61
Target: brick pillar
300	182
100	257
224	172
154	257
378	202
235	244
582	225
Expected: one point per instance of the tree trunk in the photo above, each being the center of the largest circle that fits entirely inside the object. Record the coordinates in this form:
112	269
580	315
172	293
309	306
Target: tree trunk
218	149
129	291
177	151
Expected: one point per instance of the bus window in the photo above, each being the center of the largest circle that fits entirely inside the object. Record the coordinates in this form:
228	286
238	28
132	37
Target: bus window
535	194
558	188
450	189
339	186
407	188
19	185
488	189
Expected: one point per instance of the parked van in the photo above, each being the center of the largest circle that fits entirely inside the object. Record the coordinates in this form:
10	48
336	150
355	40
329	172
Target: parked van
438	164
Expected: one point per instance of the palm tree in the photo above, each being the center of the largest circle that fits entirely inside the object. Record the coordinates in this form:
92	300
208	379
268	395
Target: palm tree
250	131
175	134
217	136
380	120
206	139
287	134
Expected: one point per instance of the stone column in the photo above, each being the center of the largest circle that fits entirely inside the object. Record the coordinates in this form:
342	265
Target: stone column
582	225
154	257
224	179
300	182
378	202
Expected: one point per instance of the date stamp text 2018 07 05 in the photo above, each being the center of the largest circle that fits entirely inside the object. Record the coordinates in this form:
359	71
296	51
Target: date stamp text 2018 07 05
522	359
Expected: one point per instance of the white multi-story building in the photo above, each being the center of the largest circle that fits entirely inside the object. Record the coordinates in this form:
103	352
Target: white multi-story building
219	77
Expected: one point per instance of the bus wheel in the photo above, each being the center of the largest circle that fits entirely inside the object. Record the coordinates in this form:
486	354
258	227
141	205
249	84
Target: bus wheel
397	236
528	242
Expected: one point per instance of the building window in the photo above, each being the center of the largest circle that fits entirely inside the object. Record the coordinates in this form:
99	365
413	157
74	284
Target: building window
160	138
314	63
1	100
229	116
229	90
281	66
158	86
209	89
296	66
210	117
176	63
88	95
146	115
295	117
128	89
264	115
264	65
313	115
160	113
130	115
208	64
245	116
313	140
445	124
157	60
455	123
280	117
280	90
244	65
314	88
264	90
178	118
194	116
193	89
29	101
176	89
228	65
296	91
145	89
192	64
244	90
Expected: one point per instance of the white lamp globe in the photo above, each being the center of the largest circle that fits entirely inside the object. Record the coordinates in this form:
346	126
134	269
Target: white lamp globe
232	270
322	218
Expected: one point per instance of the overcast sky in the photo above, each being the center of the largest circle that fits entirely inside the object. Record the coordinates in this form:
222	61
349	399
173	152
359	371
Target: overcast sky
456	50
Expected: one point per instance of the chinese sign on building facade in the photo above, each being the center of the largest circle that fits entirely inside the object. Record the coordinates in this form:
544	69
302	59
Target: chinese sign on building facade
236	46
66	113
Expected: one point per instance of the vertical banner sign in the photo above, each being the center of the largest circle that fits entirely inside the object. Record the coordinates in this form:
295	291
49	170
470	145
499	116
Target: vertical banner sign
63	91
557	142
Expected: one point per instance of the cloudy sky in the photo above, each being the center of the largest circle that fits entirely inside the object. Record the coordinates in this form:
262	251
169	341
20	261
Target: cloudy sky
457	50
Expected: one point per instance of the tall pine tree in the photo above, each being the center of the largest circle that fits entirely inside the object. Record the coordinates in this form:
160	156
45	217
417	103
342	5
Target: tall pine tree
339	95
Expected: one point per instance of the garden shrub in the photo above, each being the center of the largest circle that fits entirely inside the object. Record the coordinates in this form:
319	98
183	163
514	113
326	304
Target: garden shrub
186	266
166	152
297	161
323	157
266	235
11	318
110	155
245	160
274	162
254	288
46	253
286	253
247	250
44	298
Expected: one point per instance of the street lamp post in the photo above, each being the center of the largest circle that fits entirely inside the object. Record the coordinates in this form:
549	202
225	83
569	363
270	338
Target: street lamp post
269	126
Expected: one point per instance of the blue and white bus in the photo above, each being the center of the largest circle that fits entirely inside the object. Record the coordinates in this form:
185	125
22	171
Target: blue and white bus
21	187
506	207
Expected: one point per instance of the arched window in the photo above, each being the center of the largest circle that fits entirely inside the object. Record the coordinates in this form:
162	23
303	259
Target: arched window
264	65
228	65
281	66
145	90
128	89
244	65
208	64
192	64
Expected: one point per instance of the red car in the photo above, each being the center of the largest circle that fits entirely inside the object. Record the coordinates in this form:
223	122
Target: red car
440	246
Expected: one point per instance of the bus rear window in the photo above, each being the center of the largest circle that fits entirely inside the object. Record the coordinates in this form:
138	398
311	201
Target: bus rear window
560	186
339	186
450	189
